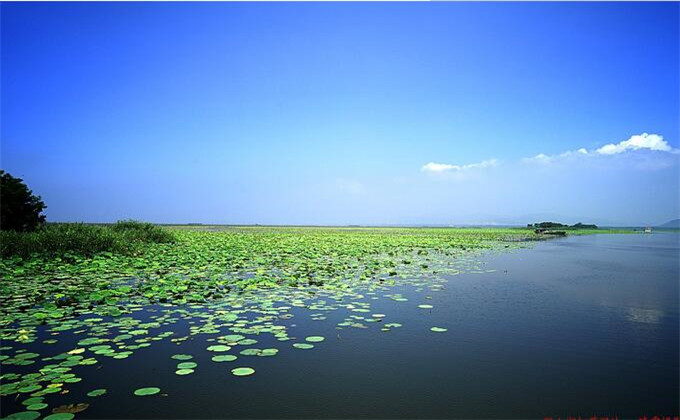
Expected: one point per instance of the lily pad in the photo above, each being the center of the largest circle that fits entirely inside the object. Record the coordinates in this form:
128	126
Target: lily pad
224	358
97	392
219	348
187	365
142	392
60	416
242	371
315	339
438	329
24	415
303	346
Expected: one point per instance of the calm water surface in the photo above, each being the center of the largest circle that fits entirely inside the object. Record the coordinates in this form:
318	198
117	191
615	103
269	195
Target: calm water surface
576	326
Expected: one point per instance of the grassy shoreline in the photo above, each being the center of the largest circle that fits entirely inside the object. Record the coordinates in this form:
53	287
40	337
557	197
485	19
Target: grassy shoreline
63	239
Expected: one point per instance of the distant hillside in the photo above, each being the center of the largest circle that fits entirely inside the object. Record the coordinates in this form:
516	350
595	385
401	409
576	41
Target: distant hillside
673	224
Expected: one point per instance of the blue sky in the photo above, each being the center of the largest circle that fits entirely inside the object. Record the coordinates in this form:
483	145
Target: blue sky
344	113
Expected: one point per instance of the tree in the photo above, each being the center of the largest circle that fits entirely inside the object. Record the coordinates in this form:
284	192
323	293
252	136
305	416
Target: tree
20	210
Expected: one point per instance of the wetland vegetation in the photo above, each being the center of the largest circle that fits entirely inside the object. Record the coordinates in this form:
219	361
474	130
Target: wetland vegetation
121	288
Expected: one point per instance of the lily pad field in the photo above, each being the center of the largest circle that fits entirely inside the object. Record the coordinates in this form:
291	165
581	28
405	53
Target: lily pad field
295	322
233	293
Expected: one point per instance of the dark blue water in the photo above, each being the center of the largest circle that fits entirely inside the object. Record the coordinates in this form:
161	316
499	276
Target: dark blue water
579	326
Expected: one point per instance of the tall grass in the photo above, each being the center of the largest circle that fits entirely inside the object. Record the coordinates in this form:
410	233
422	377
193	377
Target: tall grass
124	237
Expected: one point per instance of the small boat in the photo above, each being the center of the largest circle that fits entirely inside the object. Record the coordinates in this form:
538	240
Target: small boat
648	229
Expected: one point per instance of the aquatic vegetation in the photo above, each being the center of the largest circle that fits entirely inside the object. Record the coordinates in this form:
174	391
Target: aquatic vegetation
142	392
68	240
232	289
242	371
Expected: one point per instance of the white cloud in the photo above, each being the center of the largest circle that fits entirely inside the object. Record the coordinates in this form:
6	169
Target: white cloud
637	142
642	141
445	167
541	158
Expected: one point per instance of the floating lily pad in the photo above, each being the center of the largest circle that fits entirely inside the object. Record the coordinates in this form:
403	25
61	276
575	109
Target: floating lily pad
183	372
24	415
182	357
425	306
60	416
142	392
315	339
303	346
233	338
224	358
242	371
187	365
438	329
219	348
97	392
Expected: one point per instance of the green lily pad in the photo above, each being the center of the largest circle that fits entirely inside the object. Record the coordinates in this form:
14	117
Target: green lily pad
24	415
97	392
142	392
242	371
60	416
438	329
183	372
219	348
269	352
303	346
224	358
315	339
187	365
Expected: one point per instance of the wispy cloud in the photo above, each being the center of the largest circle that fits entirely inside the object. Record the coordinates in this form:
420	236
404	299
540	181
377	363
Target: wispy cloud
638	142
434	167
644	141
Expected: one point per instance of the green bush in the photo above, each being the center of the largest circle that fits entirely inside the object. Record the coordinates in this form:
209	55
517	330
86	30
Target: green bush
125	237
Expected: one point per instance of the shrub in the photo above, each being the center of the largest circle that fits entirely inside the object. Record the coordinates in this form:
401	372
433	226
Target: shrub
20	210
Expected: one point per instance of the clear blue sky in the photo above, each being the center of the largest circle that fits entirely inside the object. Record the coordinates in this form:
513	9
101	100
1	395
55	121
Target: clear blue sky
330	113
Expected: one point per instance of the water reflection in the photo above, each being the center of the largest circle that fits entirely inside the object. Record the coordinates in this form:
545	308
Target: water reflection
644	316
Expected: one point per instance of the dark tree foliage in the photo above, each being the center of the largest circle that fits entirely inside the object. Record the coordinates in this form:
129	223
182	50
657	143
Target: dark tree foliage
555	225
549	225
20	210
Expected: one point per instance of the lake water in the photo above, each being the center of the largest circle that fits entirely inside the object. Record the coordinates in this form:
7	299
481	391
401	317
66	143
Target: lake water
577	326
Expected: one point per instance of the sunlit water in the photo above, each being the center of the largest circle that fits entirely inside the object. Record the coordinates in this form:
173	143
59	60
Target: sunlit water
579	326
